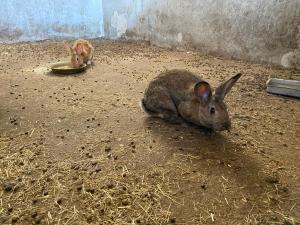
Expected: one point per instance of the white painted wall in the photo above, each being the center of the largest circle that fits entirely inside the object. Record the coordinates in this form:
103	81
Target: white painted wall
31	20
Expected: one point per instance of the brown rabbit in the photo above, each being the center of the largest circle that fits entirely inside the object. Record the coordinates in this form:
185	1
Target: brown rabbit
81	53
181	96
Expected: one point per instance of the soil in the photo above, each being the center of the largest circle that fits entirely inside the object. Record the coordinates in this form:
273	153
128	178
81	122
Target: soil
77	149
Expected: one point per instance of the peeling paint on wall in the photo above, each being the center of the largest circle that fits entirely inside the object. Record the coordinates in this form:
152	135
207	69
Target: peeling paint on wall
179	37
9	33
292	58
119	23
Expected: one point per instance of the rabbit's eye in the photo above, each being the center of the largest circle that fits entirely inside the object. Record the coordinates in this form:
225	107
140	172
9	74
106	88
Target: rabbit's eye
212	110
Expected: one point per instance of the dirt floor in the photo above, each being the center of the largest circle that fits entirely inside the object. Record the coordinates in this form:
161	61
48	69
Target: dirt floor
79	150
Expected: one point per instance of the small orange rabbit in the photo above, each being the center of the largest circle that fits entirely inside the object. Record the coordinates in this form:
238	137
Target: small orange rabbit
82	52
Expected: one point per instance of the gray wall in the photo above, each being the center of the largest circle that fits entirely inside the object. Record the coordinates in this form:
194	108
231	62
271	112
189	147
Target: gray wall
255	30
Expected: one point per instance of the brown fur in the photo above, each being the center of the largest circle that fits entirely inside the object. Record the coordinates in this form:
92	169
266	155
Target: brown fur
81	52
174	96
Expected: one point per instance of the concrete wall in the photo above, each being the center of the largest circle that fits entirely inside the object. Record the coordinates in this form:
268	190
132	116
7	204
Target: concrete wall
121	18
31	20
255	30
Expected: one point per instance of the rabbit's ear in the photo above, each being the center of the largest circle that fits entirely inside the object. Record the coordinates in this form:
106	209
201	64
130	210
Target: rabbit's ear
203	91
79	49
83	50
68	47
223	89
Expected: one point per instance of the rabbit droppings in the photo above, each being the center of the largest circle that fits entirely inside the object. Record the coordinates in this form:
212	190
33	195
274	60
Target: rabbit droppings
181	96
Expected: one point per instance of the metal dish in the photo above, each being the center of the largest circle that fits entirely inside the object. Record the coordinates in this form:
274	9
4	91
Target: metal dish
66	68
284	87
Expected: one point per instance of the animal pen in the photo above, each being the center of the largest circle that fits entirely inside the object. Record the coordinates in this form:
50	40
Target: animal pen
159	114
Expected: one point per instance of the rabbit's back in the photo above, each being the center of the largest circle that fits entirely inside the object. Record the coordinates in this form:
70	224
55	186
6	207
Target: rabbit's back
179	84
